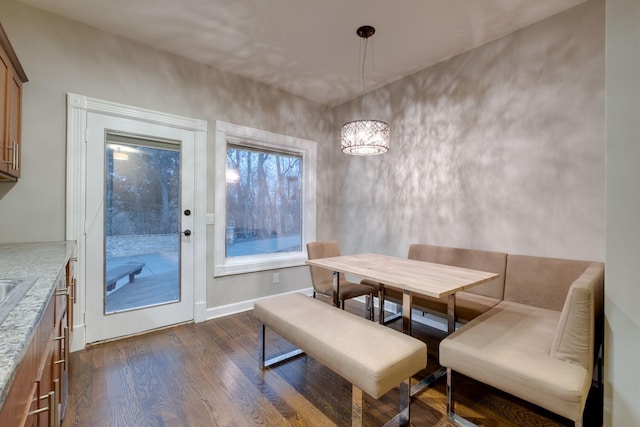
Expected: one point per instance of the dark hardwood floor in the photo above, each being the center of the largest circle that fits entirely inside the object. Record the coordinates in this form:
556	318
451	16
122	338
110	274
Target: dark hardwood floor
207	374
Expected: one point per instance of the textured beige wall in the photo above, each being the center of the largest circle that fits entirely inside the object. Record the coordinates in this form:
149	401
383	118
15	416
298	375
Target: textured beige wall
500	148
622	325
61	56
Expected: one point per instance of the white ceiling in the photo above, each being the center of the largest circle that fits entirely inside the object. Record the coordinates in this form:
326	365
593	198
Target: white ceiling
306	47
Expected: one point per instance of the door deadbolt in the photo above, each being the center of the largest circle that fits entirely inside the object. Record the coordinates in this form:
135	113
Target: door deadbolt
187	212
187	232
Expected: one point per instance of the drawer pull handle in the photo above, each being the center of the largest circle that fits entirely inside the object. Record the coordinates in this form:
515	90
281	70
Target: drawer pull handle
52	396
65	349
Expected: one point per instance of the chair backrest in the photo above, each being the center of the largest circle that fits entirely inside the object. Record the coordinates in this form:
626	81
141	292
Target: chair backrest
493	262
322	278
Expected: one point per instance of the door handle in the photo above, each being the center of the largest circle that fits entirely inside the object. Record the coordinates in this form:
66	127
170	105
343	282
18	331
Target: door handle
187	232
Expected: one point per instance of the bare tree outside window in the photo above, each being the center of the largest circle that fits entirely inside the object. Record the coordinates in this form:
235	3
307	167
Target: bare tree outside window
263	206
142	194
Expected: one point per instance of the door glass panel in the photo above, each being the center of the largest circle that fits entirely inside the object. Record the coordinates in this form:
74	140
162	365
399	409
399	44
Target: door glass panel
142	223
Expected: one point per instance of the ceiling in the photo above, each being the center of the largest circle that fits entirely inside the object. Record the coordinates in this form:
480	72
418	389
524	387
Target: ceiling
305	47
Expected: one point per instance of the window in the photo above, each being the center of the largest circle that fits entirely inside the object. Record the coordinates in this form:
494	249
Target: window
265	199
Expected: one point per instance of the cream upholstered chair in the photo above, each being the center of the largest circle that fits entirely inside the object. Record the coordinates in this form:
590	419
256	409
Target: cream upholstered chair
322	278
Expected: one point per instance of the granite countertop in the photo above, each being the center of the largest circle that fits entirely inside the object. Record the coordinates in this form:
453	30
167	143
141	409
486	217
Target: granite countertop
44	261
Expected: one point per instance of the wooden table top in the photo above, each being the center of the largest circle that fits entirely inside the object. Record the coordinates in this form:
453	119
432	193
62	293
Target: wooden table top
426	278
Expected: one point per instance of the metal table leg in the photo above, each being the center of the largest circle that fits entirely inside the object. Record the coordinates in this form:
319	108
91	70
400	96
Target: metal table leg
451	326
336	289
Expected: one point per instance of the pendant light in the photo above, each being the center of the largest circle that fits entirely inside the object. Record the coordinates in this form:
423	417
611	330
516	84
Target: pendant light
365	137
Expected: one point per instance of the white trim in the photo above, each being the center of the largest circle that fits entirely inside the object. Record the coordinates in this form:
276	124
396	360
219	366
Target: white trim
200	222
78	106
239	307
78	338
121	110
75	214
261	139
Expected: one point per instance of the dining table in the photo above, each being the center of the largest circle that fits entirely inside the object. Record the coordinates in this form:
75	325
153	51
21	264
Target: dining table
411	277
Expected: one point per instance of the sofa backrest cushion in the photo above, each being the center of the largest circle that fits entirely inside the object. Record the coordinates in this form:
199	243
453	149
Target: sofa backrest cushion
576	336
541	282
493	262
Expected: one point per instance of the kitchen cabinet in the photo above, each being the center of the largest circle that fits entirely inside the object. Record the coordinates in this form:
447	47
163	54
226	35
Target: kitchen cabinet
11	78
38	395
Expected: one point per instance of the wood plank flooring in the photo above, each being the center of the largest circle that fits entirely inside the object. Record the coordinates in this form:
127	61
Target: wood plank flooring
207	374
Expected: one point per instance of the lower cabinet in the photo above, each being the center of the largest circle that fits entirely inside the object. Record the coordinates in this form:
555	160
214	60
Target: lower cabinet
38	395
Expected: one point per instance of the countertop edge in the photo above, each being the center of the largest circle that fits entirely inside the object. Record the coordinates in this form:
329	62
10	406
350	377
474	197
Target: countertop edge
48	260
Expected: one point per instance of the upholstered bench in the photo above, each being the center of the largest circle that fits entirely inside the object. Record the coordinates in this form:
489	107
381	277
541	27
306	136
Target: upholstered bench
373	358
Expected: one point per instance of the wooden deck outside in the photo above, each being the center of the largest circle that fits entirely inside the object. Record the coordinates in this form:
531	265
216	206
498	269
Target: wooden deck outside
157	283
148	290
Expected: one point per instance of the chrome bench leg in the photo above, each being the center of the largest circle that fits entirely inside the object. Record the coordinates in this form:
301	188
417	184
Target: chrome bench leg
402	418
456	419
405	402
261	333
357	406
450	408
266	363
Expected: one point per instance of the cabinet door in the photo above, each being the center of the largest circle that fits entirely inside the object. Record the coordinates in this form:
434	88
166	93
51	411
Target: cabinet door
5	155
61	345
14	125
44	394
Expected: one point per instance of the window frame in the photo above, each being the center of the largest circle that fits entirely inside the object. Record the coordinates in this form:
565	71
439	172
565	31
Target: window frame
228	133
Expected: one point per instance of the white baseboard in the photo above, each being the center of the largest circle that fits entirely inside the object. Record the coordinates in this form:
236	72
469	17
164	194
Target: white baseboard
239	307
200	311
78	338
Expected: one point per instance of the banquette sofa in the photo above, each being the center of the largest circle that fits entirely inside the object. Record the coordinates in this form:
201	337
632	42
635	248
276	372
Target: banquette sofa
534	332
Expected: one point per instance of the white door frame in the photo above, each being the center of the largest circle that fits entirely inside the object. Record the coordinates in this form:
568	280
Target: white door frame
78	107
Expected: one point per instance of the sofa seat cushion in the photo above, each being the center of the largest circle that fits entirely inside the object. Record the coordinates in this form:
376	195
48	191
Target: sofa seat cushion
468	305
508	347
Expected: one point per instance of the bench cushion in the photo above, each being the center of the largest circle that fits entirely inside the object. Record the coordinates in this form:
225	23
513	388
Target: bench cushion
373	357
508	347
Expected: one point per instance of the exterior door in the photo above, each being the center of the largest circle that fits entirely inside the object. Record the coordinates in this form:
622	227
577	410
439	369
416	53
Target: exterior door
139	242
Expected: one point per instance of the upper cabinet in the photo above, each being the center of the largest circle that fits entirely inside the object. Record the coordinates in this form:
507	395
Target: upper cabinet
11	78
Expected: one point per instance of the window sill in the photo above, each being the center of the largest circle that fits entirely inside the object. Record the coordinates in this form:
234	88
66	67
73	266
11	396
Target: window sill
252	264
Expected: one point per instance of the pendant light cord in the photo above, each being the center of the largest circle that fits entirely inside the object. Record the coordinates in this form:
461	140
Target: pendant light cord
363	68
362	71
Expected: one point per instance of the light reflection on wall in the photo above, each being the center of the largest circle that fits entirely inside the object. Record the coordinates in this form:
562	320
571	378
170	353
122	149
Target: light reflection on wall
500	148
